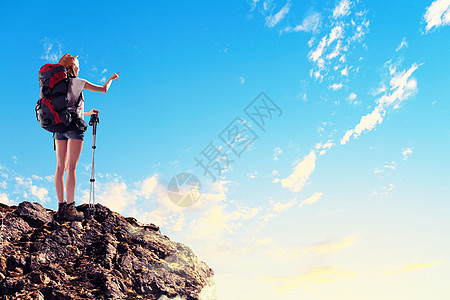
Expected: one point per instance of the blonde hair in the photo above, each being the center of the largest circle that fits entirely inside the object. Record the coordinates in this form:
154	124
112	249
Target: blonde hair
67	61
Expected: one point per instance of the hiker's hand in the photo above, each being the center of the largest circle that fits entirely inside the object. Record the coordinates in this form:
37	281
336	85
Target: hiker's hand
92	112
115	76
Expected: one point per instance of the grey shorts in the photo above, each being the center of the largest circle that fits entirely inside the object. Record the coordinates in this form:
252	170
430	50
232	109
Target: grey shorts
69	135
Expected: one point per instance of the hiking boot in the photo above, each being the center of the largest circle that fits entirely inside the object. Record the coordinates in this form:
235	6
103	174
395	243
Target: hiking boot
72	214
61	211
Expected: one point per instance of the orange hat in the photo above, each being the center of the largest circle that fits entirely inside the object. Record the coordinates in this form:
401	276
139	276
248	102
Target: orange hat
67	60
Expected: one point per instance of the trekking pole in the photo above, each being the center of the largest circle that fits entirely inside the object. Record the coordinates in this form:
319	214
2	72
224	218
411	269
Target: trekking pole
93	122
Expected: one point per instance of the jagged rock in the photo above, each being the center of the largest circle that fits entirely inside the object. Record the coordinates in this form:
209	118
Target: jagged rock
33	213
105	256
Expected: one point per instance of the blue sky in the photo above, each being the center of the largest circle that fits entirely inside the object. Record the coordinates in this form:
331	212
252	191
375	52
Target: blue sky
345	193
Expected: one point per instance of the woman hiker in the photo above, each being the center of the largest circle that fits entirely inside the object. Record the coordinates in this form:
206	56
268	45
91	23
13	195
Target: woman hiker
69	144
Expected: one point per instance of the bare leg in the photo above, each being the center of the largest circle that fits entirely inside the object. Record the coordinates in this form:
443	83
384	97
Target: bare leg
73	154
61	150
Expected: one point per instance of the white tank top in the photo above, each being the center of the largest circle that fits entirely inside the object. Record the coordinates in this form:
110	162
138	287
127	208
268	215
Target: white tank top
76	87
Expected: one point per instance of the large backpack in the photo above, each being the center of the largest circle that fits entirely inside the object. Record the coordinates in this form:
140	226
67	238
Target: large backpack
51	108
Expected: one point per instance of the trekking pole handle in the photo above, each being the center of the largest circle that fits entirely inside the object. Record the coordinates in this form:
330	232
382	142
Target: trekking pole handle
93	122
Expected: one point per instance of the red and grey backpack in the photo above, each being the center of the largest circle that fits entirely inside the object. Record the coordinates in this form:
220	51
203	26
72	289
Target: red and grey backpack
51	108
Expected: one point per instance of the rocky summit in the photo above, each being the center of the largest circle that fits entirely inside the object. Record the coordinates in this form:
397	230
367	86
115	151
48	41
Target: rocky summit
105	256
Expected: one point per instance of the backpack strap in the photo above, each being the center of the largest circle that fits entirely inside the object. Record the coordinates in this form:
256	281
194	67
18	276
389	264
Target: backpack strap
79	99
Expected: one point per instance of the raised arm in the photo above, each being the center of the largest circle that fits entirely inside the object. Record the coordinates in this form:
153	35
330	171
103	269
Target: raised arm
101	89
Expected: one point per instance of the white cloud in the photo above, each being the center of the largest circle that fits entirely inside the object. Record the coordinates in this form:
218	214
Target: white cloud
313	199
387	189
271	21
302	171
277	152
4	199
329	247
218	220
368	122
280	207
409	267
391	166
324	147
335	34
104	71
242	80
35	177
39	192
314	55
178	226
148	186
330	53
311	23
378	172
252	175
401	88
403	44
437	14
103	79
52	50
351	98
335	86
116	196
28	187
384	191
406	152
342	9
313	275
253	4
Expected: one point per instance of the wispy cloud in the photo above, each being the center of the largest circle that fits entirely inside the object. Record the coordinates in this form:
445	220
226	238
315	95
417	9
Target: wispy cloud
406	152
383	191
52	50
352	98
302	171
252	175
280	207
402	86
313	199
277	152
437	14
323	148
314	275
27	186
336	86
409	267
273	20
342	9
403	44
4	199
330	54
311	23
329	247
